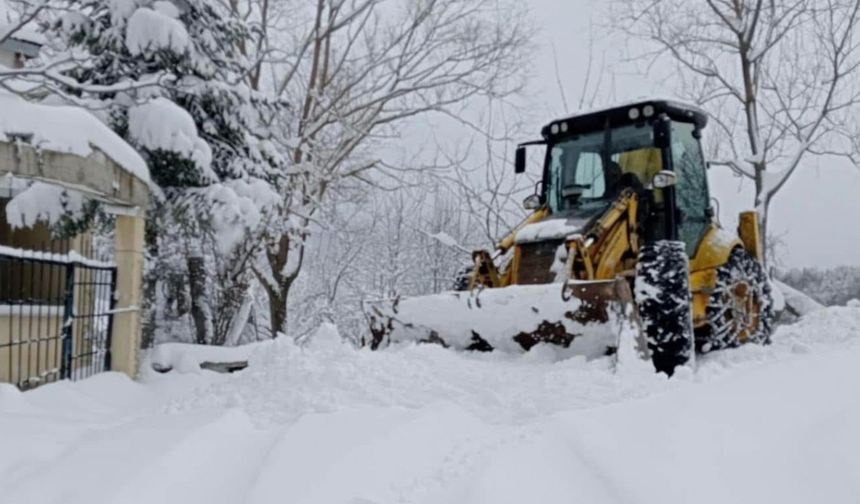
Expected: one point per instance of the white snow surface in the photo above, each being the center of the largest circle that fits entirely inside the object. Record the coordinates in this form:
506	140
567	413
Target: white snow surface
151	30
240	205
186	357
550	229
326	424
41	202
72	257
66	129
24	33
497	315
797	300
162	124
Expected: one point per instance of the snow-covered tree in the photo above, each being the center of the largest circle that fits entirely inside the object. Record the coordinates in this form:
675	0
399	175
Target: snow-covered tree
833	286
202	130
779	78
355	71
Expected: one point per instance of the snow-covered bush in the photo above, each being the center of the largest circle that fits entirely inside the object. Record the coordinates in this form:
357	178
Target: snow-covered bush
203	133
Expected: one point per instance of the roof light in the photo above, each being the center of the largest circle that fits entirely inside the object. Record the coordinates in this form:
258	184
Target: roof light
648	110
564	127
633	114
554	129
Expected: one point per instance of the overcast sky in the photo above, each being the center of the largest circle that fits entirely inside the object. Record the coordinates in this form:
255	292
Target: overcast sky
818	211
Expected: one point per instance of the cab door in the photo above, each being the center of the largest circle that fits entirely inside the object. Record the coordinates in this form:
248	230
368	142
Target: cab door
691	189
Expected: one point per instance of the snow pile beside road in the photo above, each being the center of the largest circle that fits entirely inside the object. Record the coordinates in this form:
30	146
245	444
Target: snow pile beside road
799	303
187	358
323	423
496	315
285	382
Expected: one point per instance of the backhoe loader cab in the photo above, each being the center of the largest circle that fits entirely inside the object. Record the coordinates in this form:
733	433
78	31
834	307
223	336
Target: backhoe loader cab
652	147
621	232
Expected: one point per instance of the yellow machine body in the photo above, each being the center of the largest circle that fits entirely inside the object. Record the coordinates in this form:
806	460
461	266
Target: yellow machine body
614	245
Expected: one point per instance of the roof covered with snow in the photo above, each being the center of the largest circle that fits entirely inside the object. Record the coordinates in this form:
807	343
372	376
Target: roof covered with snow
65	129
24	33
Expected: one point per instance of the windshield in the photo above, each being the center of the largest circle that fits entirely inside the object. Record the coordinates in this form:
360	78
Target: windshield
585	172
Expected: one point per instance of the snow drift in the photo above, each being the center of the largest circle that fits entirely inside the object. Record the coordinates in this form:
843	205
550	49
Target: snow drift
323	423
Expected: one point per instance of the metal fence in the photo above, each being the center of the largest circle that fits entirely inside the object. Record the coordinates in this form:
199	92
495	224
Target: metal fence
56	316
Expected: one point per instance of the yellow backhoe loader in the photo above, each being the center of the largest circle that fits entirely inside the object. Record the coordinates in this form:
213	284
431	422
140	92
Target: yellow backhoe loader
622	232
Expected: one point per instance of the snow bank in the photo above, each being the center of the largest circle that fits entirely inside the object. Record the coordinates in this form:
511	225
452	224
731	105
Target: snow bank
65	129
496	315
187	358
325	424
795	300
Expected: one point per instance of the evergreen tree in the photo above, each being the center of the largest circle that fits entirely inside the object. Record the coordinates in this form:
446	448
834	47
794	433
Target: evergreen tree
203	131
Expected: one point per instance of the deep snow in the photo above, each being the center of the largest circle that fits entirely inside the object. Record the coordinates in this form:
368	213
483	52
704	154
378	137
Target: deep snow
326	424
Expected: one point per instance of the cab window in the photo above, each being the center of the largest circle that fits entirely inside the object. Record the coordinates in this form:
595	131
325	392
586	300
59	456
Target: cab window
691	189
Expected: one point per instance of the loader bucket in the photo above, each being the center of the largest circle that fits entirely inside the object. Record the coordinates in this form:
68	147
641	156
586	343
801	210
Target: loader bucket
582	315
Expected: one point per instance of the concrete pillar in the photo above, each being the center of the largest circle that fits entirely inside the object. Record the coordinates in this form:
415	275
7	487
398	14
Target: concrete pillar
125	340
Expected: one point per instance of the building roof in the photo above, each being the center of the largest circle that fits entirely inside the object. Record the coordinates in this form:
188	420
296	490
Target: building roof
67	130
24	40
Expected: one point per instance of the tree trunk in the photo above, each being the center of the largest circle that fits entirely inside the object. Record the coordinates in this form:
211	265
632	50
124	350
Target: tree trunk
765	210
197	286
278	308
278	257
231	303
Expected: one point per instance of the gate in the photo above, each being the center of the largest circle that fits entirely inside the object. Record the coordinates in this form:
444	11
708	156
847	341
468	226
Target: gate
56	316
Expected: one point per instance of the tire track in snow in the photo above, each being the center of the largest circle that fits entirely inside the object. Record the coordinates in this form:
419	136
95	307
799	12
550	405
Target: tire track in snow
378	455
196	457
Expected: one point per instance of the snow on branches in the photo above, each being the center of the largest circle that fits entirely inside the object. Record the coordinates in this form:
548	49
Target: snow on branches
156	29
780	78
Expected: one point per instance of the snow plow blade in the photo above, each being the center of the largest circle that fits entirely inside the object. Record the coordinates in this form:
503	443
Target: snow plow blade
586	316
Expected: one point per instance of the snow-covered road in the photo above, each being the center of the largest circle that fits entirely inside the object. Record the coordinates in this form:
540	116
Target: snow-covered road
329	425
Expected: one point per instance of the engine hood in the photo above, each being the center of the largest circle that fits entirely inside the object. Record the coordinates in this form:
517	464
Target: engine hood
552	228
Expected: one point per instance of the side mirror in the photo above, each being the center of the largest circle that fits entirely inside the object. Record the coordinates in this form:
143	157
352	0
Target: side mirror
663	179
532	202
520	160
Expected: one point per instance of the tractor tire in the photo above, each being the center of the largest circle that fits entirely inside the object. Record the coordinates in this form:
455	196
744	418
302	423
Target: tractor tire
740	309
662	292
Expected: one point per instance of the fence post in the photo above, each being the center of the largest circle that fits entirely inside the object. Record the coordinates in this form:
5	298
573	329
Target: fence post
68	315
125	340
113	297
